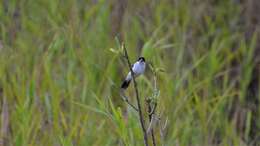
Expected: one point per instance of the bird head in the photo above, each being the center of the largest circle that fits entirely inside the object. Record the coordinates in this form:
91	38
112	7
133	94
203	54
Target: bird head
141	59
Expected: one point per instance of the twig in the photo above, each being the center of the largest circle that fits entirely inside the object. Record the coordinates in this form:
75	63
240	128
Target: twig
162	129
153	137
141	118
151	112
129	103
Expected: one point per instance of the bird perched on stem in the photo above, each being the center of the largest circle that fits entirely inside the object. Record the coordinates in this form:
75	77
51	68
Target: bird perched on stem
138	68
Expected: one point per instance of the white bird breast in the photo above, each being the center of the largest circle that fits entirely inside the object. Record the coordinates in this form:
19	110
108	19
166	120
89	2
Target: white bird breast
138	69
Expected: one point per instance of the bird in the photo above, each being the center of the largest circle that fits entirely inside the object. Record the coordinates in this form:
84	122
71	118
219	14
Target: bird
138	68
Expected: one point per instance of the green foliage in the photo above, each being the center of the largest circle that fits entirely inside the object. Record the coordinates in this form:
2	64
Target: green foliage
60	69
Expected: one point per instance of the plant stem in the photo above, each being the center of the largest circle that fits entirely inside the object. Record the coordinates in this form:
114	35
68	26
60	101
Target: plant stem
141	118
151	112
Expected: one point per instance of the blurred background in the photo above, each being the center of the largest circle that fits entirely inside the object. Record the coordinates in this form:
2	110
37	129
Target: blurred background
59	77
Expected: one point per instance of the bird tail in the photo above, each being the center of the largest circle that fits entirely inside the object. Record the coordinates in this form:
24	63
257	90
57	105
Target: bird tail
125	84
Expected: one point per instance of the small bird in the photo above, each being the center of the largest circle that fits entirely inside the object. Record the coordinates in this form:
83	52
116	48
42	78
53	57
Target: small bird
138	68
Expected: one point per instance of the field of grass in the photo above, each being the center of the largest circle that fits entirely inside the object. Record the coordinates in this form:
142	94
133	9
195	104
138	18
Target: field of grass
60	74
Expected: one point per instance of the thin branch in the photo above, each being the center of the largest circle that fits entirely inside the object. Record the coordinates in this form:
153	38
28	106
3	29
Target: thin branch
129	103
151	113
162	129
141	118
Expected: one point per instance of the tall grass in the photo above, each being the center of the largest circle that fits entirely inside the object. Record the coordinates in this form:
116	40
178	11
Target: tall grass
61	82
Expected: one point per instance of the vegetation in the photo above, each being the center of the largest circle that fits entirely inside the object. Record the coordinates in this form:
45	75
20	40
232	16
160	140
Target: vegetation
60	72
